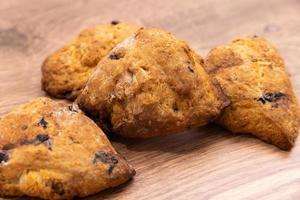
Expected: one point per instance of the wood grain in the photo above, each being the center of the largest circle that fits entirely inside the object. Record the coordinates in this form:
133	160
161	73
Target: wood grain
204	163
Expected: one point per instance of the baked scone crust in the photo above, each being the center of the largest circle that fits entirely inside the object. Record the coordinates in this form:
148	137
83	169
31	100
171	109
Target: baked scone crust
151	84
252	74
52	151
65	72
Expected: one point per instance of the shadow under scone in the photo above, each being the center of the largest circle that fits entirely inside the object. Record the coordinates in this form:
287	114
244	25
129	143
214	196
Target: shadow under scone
253	76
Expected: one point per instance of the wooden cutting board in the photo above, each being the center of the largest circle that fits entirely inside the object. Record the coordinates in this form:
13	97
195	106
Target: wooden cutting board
204	163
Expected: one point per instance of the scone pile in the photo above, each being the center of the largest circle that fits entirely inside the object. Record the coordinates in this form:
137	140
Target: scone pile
137	82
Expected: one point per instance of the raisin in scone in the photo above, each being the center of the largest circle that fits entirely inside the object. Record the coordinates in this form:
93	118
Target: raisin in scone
52	151
65	72
151	84
253	76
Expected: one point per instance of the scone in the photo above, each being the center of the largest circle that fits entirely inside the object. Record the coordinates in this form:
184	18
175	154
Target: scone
65	72
253	76
151	84
52	151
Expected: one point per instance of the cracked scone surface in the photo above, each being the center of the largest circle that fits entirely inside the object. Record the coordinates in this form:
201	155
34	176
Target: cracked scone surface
65	72
52	151
253	76
151	84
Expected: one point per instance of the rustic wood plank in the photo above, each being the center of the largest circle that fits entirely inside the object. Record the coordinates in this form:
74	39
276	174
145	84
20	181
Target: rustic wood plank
204	163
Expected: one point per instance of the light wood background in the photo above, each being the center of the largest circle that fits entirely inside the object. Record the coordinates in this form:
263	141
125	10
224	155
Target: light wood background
204	163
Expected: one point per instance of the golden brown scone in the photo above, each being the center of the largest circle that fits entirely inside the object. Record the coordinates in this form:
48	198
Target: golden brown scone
252	74
151	84
52	151
65	72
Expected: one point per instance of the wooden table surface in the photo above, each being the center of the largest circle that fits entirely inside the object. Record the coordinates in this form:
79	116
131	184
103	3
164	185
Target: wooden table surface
204	163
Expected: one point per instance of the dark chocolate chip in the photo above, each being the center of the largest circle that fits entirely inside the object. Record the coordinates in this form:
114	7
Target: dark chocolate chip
57	187
191	69
114	22
262	100
114	56
24	127
39	139
106	158
42	137
43	123
8	146
271	97
3	156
